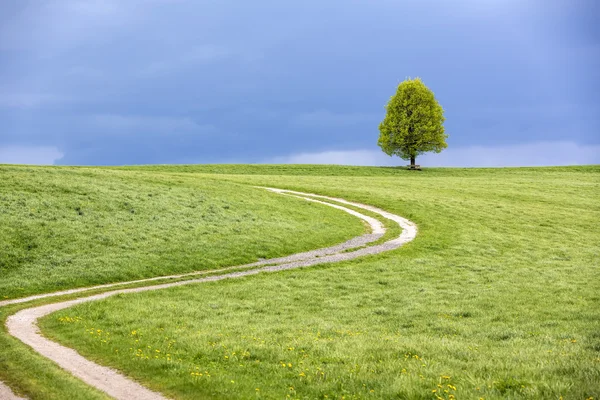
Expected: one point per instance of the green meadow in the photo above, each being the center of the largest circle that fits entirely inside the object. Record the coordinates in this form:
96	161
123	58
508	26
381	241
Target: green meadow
498	297
74	227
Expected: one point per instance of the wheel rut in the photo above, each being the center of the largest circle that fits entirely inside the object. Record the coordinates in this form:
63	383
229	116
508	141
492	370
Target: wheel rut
23	324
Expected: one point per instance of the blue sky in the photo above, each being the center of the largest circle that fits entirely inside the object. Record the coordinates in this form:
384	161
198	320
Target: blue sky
202	81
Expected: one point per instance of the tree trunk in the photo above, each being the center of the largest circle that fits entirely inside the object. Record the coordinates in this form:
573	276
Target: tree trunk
412	161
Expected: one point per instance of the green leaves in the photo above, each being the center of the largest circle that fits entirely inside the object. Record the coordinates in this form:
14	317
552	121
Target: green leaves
414	122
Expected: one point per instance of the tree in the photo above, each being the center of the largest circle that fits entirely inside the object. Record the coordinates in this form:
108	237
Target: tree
413	123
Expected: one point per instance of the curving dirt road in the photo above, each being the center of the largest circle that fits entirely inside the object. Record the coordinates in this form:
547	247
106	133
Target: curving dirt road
23	324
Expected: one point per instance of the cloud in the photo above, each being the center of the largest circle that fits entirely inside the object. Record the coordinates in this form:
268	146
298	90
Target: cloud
519	155
114	123
192	57
281	78
351	157
35	155
96	8
531	154
84	72
60	26
29	100
325	118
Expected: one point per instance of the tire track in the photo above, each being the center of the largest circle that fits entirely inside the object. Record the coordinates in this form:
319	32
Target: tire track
23	324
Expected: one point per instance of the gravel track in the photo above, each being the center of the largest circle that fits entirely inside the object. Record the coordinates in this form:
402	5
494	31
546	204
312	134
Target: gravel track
23	324
377	229
7	394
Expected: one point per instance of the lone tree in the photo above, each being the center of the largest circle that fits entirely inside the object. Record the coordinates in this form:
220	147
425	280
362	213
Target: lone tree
413	123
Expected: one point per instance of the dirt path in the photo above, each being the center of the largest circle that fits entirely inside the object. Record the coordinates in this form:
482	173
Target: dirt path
377	230
7	394
23	324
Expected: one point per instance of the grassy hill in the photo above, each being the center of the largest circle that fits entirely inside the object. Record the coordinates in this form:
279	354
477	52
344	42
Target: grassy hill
73	227
498	297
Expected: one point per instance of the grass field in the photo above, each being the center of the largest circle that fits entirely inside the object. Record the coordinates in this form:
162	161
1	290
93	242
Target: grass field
72	227
498	297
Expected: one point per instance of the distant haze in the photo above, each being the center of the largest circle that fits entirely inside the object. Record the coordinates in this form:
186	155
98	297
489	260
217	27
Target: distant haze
195	81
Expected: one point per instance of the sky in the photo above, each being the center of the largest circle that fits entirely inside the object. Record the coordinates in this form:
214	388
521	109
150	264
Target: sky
113	82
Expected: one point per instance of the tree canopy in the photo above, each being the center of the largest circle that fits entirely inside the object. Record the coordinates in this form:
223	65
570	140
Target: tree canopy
413	123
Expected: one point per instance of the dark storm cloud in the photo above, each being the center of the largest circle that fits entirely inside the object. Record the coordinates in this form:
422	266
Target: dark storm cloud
173	81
